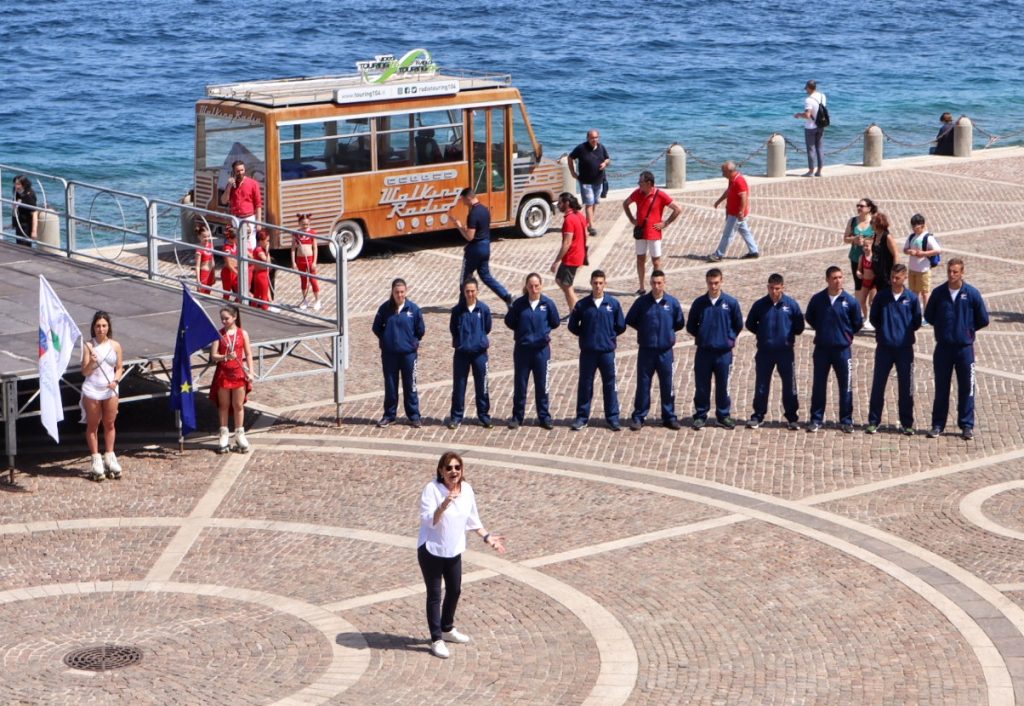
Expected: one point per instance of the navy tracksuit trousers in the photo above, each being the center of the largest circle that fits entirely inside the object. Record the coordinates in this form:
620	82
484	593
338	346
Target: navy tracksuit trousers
404	365
946	360
648	362
708	363
903	359
766	361
526	361
462	363
590	363
827	358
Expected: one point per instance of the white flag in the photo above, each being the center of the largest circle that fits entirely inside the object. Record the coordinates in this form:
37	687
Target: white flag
58	335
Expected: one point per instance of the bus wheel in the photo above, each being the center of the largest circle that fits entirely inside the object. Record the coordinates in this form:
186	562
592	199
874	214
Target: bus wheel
351	237
534	217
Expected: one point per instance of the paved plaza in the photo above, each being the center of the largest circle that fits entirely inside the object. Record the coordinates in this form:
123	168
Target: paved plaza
655	567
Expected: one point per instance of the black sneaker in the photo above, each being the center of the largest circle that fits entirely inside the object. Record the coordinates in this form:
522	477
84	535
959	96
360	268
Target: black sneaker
871	429
793	426
486	423
698	424
846	428
813	427
614	426
385	422
672	424
751	256
578	424
934	433
591	231
907	431
753	423
727	423
635	425
513	424
415	423
453	425
967	433
547	424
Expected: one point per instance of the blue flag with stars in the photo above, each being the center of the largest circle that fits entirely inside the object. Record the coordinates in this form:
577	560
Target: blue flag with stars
195	331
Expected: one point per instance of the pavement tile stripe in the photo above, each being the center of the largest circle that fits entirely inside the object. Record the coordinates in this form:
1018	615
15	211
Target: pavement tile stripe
970	508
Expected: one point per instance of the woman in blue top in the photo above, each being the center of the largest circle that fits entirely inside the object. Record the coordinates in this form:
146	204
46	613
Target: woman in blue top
858	229
532	317
399	327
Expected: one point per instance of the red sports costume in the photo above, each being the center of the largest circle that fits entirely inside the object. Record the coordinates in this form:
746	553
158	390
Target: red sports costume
260	278
228	276
206	276
307	263
649	210
230	374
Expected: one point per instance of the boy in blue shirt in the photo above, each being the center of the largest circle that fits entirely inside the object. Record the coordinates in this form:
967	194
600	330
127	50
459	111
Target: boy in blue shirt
896	315
715	321
776	320
597	320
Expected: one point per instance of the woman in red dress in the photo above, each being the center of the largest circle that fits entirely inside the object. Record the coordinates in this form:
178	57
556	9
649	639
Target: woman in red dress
229	273
232	381
260	273
206	270
304	253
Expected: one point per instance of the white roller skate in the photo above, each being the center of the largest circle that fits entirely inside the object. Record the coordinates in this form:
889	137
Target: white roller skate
113	467
241	443
98	473
222	442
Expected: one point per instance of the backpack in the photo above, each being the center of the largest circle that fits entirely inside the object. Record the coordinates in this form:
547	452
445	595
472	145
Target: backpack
933	260
821	118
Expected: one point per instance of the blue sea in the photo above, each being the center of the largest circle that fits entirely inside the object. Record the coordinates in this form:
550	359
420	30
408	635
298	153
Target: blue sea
104	92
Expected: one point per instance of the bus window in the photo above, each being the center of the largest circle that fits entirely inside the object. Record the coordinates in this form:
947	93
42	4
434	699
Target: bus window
324	147
220	141
522	143
497	149
438	136
479	151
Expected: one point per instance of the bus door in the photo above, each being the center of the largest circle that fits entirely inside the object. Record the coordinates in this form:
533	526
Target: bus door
490	166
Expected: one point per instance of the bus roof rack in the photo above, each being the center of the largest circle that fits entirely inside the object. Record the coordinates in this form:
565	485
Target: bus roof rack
303	90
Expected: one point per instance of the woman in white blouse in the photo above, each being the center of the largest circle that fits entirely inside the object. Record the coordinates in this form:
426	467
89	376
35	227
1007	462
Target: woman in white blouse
447	512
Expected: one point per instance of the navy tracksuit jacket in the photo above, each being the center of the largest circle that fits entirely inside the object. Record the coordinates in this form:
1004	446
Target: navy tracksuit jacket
955	324
895	321
532	352
597	329
469	331
834	326
715	327
399	334
776	327
656	324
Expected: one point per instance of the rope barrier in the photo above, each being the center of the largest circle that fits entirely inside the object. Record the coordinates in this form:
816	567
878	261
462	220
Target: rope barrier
857	138
889	138
992	139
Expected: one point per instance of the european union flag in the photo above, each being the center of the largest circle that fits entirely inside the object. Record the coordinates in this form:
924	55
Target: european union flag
195	331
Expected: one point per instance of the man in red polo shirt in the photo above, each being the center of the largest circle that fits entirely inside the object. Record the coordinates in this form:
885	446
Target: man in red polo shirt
737	208
243	196
651	203
573	253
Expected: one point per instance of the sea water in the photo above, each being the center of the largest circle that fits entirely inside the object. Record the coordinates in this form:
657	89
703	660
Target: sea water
104	92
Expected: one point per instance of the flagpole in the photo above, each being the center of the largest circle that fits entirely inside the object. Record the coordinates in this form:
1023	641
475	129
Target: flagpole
181	437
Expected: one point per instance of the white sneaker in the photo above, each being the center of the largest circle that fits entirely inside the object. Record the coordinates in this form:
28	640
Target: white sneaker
241	443
113	467
304	304
222	442
868	326
454	635
317	305
439	649
98	472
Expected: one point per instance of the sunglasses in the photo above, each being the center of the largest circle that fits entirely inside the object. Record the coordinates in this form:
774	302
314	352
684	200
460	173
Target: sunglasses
862	205
453	467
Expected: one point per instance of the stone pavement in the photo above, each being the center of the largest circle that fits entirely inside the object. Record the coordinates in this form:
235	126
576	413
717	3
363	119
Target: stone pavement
712	567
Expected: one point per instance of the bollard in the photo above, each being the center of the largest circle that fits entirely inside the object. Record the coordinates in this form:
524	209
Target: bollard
963	137
675	167
568	183
873	149
776	156
48	228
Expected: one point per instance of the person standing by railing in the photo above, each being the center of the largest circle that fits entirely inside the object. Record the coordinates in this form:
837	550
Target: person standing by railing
813	133
206	268
304	255
24	220
242	195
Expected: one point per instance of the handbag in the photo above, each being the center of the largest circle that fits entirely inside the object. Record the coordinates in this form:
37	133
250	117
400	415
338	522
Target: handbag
638	229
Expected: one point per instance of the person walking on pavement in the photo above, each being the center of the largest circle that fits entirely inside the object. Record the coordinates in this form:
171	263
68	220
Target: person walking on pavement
399	327
597	321
776	321
470	324
532	317
573	253
835	317
896	315
476	257
737	208
587	164
648	227
957	312
656	316
715	321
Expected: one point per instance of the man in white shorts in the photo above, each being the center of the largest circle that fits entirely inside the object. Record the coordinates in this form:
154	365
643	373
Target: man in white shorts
648	223
921	246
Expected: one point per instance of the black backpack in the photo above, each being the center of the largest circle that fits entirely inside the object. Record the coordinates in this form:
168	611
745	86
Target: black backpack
821	119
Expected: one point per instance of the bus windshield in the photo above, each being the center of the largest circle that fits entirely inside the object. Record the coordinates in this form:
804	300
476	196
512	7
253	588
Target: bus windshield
222	140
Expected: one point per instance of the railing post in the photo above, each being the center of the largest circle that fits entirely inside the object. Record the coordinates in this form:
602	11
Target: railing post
963	137
69	202
341	321
152	245
675	166
873	148
776	156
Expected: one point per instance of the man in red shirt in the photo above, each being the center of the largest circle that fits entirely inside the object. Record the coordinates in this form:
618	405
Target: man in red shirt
243	196
737	208
650	204
573	253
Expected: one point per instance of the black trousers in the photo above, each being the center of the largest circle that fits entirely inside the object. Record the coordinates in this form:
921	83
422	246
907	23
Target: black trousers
440	614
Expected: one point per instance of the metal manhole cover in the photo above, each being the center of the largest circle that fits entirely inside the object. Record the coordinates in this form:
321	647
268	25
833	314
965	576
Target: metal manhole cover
100	658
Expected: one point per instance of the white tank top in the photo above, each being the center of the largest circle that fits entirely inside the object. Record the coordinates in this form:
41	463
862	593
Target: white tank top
97	385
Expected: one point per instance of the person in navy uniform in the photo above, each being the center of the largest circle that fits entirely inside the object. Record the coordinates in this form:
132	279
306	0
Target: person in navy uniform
399	327
476	257
470	323
597	320
532	317
776	320
715	321
835	317
896	315
656	316
956	311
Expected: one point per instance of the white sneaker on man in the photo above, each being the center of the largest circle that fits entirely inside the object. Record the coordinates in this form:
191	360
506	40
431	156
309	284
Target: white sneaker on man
454	635
439	649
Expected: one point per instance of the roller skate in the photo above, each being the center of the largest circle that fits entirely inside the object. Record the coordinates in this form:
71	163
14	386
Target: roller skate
98	472
222	442
241	443
113	467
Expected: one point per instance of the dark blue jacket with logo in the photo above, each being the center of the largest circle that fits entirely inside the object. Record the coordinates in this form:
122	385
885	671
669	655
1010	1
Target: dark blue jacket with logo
470	328
834	324
775	325
955	325
597	327
532	327
656	323
401	332
715	326
895	320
